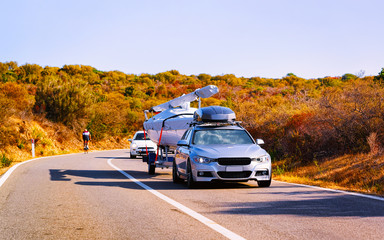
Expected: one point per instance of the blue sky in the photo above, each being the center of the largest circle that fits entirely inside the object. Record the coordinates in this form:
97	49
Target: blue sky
310	38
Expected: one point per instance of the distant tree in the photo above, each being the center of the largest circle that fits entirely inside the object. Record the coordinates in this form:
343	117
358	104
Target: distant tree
162	90
348	76
71	69
291	75
12	65
204	77
361	74
228	103
291	79
50	71
113	117
165	77
128	92
7	72
330	81
3	68
66	99
379	78
135	104
29	73
150	91
174	72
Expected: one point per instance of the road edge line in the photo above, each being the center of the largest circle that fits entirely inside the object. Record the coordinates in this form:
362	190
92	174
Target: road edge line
8	173
206	221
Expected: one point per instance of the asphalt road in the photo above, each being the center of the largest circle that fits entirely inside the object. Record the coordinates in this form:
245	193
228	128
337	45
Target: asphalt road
82	196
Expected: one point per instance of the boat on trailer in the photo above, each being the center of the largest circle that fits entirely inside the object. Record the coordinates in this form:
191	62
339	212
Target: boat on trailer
171	119
166	123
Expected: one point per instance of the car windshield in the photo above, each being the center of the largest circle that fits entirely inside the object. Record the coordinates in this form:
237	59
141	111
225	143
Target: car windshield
140	136
222	136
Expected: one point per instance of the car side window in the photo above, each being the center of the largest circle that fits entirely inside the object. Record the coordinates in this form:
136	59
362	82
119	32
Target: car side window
183	137
186	135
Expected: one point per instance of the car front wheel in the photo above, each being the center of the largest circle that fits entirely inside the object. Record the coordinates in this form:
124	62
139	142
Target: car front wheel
264	183
175	174
190	182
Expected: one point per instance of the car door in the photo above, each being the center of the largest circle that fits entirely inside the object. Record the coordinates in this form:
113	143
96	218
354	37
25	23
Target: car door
182	153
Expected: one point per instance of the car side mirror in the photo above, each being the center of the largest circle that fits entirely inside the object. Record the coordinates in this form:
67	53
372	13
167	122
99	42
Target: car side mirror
130	140
182	143
259	141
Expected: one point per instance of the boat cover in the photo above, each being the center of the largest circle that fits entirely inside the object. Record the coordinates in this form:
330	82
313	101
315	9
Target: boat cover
204	92
171	119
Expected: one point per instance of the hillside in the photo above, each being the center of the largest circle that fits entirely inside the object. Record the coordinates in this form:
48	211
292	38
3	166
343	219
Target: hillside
305	122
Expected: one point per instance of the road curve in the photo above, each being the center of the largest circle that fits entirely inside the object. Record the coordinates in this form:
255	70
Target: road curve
82	196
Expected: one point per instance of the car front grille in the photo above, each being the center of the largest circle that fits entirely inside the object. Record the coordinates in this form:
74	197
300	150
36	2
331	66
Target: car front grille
149	148
234	161
244	174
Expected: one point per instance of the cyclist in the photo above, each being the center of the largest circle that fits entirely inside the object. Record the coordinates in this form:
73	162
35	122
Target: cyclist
86	139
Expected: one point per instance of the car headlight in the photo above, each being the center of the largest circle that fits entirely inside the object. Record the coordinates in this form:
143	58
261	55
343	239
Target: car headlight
199	159
263	158
133	145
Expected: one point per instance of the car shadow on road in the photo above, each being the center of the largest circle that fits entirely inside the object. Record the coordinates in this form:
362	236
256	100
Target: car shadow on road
166	185
330	205
68	174
159	181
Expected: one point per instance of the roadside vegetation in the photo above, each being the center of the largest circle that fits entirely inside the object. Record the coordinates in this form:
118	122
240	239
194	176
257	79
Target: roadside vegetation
327	131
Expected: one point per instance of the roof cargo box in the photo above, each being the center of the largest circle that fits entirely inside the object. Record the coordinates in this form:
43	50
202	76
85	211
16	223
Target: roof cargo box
214	114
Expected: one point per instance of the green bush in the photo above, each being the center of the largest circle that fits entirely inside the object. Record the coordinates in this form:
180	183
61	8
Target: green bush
65	99
4	161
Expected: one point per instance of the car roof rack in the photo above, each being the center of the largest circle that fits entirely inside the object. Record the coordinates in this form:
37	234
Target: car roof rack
216	124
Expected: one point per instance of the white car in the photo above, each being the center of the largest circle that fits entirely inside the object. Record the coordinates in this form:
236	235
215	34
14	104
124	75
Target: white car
140	146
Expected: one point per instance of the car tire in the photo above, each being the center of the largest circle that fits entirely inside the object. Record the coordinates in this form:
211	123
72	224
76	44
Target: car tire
175	174
190	182
133	156
264	183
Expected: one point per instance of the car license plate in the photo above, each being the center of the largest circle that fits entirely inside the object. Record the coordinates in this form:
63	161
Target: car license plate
234	169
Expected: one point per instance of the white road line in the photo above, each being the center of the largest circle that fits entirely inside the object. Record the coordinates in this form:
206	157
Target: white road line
335	190
9	172
218	228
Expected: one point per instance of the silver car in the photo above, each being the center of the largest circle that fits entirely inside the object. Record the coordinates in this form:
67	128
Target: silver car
220	152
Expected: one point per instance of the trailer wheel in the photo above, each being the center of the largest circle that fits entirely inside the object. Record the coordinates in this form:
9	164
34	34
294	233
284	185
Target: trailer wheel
151	169
175	174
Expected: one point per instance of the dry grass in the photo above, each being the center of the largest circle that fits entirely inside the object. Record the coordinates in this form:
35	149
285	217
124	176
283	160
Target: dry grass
360	173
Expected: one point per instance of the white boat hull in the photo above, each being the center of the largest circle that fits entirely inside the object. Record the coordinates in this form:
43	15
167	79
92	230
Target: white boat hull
174	118
169	137
173	123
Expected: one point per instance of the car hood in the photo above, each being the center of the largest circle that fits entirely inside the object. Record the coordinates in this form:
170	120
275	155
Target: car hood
228	151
